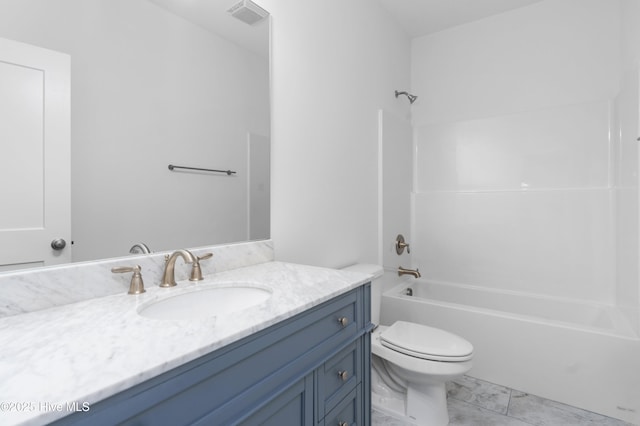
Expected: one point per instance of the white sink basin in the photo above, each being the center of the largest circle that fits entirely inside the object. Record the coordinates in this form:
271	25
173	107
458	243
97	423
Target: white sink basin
206	302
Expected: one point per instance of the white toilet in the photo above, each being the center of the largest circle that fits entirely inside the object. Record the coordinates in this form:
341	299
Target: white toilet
411	364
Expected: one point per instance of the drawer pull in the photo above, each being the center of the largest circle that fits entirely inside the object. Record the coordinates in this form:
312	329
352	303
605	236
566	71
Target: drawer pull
344	375
343	321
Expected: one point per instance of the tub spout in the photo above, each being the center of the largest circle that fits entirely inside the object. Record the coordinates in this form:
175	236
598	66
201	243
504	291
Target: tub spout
413	272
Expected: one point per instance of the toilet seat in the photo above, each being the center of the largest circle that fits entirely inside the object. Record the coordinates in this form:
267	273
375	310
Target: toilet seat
425	342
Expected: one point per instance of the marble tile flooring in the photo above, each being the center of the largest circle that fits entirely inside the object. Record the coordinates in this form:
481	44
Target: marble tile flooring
474	402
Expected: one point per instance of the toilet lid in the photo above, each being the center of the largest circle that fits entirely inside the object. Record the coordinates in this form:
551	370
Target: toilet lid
425	342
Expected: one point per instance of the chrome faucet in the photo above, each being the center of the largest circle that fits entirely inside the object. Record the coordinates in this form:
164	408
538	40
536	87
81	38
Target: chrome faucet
169	275
139	248
414	272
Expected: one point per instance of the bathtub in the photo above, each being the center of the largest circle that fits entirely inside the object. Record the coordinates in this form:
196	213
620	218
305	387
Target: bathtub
582	354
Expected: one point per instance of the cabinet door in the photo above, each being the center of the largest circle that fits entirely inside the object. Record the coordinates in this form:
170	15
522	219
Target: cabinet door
294	406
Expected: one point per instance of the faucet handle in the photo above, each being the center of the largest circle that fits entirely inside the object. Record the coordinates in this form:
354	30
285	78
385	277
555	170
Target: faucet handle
137	285
401	245
205	256
196	271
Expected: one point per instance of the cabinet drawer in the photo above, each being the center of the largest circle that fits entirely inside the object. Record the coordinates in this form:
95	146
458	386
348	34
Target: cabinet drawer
342	320
348	412
340	375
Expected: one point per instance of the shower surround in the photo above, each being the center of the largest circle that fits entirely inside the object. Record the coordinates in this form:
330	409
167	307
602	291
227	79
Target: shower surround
525	173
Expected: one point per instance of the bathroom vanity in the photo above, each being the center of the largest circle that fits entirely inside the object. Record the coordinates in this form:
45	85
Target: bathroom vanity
300	357
276	376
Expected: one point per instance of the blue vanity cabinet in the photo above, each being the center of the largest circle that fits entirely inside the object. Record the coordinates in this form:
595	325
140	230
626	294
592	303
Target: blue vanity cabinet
311	369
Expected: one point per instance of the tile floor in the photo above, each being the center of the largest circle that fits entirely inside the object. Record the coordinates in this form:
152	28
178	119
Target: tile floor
474	402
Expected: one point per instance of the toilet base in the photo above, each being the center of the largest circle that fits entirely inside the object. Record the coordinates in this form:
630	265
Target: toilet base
427	404
424	405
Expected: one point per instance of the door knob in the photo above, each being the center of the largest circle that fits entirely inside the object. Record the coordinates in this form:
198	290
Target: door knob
58	244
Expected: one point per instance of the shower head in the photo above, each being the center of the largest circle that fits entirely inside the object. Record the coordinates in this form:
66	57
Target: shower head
412	98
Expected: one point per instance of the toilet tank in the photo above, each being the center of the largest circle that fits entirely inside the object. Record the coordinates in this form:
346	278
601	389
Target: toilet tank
376	272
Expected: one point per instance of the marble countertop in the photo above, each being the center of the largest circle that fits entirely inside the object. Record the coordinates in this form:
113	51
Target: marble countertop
56	360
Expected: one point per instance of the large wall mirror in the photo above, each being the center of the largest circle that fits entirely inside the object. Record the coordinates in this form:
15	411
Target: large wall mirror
154	83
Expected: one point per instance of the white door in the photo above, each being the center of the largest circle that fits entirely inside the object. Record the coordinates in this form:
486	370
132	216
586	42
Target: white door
259	187
35	200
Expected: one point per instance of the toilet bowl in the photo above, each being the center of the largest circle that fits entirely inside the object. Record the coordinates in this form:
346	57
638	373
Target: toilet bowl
416	361
412	363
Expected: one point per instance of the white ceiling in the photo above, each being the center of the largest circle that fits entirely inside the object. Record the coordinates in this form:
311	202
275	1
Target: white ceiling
417	17
212	16
422	17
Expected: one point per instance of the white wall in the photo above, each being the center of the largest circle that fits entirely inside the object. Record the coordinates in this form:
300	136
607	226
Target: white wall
144	96
334	65
543	55
515	166
628	112
396	148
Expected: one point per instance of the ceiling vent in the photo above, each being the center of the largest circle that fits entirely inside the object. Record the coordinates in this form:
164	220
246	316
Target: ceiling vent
248	12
